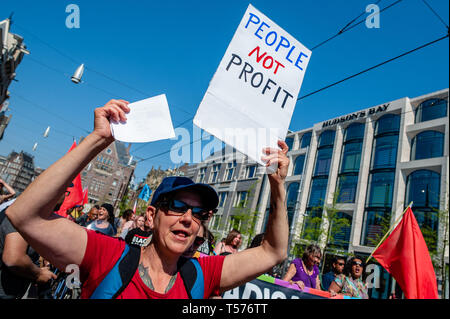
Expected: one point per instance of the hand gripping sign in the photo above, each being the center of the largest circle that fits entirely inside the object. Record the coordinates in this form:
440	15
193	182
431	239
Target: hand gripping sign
251	98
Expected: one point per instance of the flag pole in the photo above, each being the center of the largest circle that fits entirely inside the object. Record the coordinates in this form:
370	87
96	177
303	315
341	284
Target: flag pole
389	231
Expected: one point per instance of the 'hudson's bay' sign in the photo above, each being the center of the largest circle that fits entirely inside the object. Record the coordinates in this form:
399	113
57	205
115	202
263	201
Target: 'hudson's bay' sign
357	115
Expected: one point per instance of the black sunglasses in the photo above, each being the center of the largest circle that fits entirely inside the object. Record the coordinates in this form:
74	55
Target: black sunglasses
179	208
354	263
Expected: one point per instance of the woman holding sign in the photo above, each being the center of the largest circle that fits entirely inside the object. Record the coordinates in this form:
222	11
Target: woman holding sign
178	207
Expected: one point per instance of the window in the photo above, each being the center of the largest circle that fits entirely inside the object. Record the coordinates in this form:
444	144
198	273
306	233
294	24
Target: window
326	138
201	175
230	170
323	161
389	123
347	188
354	131
311	224
376	223
427	144
385	152
215	221
431	109
250	171
215	173
340	229
289	141
318	192
423	189
292	194
241	199
351	157
306	140
298	165
235	223
381	187
222	198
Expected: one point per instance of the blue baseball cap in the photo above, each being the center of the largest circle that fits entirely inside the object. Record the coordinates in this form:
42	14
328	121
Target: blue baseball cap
171	184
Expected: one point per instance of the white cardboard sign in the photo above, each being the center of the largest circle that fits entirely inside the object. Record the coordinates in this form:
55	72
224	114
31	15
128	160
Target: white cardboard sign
251	98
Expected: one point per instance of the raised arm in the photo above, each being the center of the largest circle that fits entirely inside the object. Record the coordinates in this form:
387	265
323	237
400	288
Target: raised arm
246	265
10	190
60	240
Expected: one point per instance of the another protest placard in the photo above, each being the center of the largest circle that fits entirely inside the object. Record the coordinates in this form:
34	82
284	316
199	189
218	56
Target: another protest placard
148	120
251	98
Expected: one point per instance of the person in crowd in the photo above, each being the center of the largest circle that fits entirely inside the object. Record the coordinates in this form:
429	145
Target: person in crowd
257	240
337	265
139	234
19	263
177	208
351	283
103	221
76	212
126	221
11	192
85	219
198	241
304	272
231	244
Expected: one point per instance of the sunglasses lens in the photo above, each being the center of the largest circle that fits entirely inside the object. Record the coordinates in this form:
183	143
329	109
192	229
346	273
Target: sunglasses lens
178	206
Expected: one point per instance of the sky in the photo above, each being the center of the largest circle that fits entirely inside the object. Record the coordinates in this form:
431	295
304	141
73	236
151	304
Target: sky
137	49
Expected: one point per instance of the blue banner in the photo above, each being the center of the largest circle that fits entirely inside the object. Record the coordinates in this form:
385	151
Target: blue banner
145	193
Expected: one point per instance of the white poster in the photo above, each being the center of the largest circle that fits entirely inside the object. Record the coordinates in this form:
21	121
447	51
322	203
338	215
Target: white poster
251	98
148	120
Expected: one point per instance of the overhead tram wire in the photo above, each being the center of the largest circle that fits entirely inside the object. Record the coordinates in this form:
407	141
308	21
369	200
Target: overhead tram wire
178	125
328	86
374	67
436	14
145	94
350	25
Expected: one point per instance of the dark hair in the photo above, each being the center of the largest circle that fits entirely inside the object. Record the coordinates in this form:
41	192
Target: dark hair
127	214
348	265
311	250
257	240
336	258
231	235
110	209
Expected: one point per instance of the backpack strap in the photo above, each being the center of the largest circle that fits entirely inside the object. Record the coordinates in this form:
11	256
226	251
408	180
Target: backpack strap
123	271
192	274
120	275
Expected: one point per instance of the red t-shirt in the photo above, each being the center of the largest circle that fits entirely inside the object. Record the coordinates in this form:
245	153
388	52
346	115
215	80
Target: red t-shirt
102	253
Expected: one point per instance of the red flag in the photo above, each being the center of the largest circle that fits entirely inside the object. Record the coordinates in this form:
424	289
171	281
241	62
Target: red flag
404	254
75	196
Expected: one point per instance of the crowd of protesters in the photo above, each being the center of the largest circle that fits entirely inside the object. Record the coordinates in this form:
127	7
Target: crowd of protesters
173	229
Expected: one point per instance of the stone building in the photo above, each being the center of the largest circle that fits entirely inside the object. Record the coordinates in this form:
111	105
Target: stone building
108	175
17	170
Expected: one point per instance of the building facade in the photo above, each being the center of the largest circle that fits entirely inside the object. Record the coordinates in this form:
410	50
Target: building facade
108	175
350	178
238	184
17	170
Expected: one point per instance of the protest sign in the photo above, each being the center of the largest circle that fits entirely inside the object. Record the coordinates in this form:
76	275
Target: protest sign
148	120
267	287
251	98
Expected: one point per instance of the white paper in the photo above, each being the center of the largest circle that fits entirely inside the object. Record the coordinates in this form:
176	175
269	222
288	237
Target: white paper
148	120
234	108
